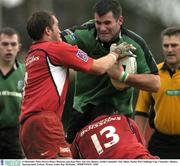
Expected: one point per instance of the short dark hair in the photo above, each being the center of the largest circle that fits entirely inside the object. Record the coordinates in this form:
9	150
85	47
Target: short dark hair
9	32
37	23
104	6
170	31
100	109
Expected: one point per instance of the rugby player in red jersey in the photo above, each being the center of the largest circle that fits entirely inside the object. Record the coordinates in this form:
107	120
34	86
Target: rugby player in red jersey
46	84
109	136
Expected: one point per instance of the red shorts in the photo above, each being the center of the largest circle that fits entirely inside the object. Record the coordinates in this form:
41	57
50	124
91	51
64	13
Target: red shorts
42	137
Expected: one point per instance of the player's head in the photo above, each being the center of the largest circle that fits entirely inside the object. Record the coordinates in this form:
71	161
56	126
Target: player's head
9	44
101	109
102	7
9	32
171	31
108	19
171	46
42	24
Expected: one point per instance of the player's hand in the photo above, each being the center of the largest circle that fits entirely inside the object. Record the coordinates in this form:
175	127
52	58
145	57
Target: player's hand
117	74
123	49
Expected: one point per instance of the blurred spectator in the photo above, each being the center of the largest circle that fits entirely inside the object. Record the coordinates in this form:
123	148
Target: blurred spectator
165	104
11	84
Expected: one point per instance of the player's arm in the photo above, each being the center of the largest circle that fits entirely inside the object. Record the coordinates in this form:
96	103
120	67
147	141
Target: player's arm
148	82
137	131
142	109
75	150
101	65
141	121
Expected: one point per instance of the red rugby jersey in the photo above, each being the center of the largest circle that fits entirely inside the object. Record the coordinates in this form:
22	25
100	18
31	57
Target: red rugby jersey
110	137
46	78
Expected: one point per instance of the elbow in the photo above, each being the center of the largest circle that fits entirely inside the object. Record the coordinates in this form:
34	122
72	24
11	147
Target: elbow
156	84
155	89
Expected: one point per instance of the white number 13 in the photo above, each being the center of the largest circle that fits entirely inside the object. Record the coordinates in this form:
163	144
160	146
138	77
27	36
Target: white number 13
111	133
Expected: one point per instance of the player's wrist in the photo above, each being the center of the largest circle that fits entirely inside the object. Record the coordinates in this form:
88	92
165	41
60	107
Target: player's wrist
124	76
114	56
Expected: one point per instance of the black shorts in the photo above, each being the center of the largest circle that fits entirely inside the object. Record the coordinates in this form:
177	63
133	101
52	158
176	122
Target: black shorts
10	147
165	146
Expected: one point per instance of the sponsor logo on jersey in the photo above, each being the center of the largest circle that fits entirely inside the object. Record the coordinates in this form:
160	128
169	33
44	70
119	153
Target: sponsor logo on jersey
175	92
100	123
64	150
31	59
82	55
9	93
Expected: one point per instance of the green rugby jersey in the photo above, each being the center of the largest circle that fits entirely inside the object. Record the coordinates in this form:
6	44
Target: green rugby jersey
11	95
92	89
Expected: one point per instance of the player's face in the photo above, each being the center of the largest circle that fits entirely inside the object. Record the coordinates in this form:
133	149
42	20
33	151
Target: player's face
56	33
171	50
9	47
107	26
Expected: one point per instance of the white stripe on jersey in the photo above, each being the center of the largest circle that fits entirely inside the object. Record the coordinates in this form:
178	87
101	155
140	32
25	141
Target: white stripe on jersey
59	76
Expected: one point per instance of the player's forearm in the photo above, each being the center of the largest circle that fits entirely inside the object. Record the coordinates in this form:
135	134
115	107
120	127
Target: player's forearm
101	65
148	82
141	122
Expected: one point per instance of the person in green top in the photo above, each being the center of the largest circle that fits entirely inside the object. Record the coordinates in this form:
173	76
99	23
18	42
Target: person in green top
95	37
11	84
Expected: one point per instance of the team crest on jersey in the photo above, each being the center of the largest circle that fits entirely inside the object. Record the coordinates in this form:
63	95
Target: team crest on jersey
20	85
82	55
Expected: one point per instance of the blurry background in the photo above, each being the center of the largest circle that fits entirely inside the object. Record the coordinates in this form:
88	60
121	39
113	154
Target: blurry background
146	17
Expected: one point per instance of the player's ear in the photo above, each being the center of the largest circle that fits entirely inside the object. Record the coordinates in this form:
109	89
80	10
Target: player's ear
120	20
47	31
20	46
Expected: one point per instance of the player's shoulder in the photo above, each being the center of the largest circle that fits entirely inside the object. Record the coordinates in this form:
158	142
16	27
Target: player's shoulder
87	26
160	65
133	36
79	33
20	64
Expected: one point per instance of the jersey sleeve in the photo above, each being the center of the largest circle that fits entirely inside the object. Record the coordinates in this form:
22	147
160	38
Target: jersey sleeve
143	102
74	34
74	149
70	56
137	132
69	36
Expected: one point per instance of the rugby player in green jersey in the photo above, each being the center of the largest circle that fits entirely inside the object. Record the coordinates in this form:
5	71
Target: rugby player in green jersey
95	37
11	84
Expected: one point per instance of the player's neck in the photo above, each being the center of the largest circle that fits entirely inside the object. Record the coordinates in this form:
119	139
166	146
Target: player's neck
5	67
